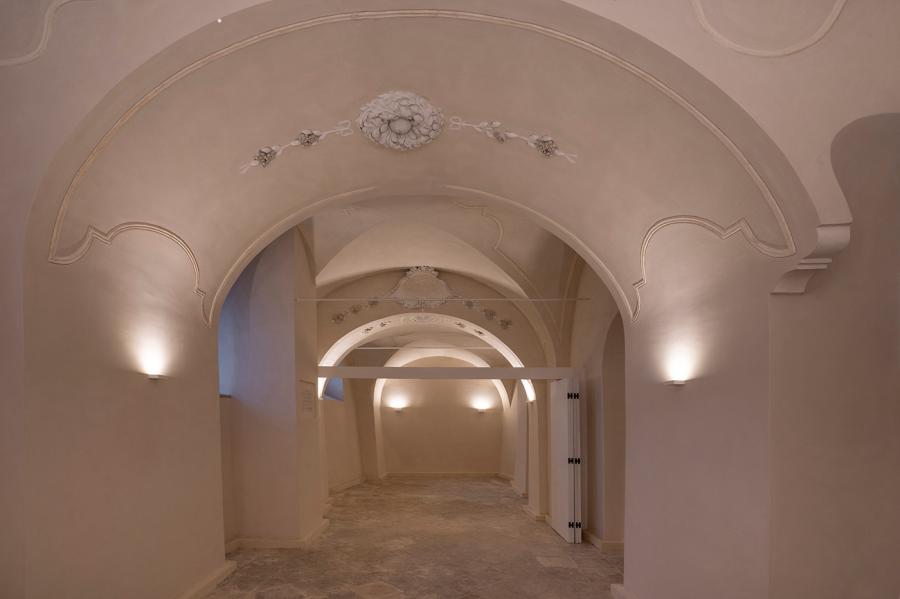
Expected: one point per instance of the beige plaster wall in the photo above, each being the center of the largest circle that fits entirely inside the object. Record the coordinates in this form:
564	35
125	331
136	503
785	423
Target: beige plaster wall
124	483
342	440
261	306
440	431
275	420
697	457
611	430
510	416
229	509
835	360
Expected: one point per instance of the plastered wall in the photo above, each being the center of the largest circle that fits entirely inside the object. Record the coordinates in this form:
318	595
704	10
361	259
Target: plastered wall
835	355
342	440
440	431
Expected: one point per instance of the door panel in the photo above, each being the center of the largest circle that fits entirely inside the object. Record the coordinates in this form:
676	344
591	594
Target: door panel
564	455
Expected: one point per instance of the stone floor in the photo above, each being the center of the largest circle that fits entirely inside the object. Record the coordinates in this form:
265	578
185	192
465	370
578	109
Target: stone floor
426	538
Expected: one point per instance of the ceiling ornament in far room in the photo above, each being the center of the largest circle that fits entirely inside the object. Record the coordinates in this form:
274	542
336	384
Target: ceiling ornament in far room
421	288
404	121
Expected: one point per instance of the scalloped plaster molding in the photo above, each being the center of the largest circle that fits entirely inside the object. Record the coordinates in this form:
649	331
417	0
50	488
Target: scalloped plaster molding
47	29
94	234
761	185
722	40
741	226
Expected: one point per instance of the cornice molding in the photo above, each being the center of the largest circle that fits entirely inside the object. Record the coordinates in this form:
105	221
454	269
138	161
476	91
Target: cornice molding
803	44
46	31
830	240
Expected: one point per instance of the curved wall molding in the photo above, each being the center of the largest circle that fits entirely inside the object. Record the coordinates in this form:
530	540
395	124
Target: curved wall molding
94	234
607	55
741	226
46	31
722	40
625	304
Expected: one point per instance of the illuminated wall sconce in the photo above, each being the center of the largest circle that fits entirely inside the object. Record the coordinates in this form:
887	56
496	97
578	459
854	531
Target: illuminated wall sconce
398	403
152	358
680	365
481	405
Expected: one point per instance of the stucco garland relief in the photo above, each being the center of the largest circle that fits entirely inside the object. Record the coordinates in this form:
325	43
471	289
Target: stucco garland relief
803	44
304	139
545	144
46	31
403	121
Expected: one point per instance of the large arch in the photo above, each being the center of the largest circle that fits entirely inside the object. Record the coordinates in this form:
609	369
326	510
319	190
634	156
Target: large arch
716	242
417	321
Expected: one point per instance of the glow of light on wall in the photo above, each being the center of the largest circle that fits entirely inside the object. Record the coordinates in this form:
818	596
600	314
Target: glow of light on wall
152	357
482	404
321	386
680	364
398	402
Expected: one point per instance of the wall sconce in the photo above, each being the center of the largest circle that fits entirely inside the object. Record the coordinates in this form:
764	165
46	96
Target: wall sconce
398	404
681	362
481	405
152	359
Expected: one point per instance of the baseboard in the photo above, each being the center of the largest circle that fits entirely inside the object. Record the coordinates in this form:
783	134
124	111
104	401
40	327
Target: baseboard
506	477
344	486
615	547
267	543
532	514
619	592
209	583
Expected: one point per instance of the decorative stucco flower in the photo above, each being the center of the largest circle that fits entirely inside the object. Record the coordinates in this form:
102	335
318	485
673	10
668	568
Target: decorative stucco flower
264	156
400	120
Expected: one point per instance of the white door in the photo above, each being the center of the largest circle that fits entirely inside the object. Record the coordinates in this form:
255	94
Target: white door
565	459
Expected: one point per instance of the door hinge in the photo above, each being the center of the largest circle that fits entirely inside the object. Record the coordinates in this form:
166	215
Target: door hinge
574	524
574	460
573	395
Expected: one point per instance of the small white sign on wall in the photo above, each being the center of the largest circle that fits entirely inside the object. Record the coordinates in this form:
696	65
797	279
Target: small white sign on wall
306	393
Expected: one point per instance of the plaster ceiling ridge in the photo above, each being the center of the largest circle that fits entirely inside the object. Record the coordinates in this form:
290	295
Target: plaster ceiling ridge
799	46
629	67
46	31
534	291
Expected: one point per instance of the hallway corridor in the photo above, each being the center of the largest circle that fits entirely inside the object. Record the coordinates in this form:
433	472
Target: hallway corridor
427	538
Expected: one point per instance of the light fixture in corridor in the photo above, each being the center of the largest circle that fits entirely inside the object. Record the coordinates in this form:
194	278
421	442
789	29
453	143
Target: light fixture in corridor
152	357
398	403
680	364
482	404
